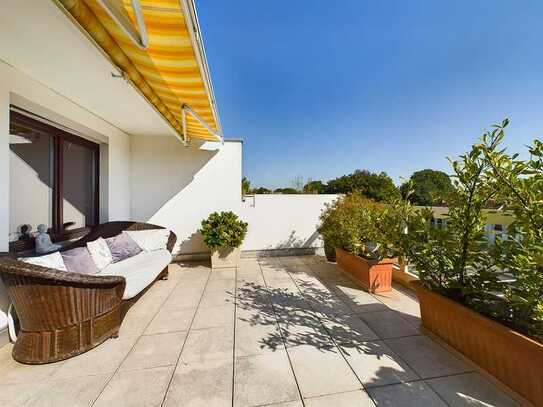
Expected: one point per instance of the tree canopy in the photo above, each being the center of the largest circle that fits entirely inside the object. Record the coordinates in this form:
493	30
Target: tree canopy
378	187
429	187
314	187
287	190
245	186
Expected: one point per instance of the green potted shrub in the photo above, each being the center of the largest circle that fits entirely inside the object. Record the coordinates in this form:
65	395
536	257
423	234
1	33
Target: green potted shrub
223	233
358	228
486	300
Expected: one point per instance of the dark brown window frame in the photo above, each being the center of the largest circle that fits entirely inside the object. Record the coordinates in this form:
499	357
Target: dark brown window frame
59	137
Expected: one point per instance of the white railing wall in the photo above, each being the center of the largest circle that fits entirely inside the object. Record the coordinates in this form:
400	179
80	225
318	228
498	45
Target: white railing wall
278	221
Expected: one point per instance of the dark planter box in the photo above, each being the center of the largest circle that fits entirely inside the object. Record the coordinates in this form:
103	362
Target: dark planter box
375	276
512	358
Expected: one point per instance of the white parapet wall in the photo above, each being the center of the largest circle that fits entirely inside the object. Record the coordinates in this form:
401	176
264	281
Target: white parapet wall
177	186
278	222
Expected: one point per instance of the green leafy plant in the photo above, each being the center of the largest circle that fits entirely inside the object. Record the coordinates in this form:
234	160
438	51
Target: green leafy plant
519	186
223	230
504	280
359	225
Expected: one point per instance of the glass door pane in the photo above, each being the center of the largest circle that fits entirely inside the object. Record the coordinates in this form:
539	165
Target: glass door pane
78	173
31	179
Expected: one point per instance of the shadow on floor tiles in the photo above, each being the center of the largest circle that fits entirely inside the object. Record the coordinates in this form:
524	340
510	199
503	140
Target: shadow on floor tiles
312	315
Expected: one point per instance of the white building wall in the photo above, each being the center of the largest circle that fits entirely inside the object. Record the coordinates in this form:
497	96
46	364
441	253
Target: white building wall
19	89
177	186
283	221
4	197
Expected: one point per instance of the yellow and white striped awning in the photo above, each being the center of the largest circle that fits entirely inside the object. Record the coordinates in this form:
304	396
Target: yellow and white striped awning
156	45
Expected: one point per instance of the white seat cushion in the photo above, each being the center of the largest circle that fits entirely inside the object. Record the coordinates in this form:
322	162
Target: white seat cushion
139	271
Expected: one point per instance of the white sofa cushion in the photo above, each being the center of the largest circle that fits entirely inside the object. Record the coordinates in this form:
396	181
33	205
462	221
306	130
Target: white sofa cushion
52	261
150	239
139	271
100	253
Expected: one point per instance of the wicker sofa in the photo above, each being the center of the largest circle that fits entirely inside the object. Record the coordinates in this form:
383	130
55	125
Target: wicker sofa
63	314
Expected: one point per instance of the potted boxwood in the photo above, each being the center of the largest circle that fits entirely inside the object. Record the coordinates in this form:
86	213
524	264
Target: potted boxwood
487	300
355	225
223	233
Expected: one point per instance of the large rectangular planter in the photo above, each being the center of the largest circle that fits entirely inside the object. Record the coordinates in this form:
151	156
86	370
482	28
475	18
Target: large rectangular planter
374	276
514	359
225	258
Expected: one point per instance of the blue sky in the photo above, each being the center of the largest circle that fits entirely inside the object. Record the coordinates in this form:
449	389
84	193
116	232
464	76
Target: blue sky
318	89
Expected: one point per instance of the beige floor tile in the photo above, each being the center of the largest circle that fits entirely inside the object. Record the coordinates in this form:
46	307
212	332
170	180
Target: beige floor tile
388	324
221	285
222	274
299	270
258	339
12	372
305	334
264	379
310	259
274	273
201	384
321	267
348	330
192	280
73	392
154	351
250	283
208	344
217	299
426	357
330	307
297	403
15	395
376	364
311	286
470	390
184	297
254	314
105	358
213	317
292	261
357	398
170	320
334	374
363	302
136	321
136	388
415	394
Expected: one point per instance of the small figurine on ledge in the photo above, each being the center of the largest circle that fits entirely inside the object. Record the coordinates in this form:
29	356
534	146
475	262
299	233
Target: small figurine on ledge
43	241
26	232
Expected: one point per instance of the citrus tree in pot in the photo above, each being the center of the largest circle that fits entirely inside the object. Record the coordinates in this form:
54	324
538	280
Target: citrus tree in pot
223	233
485	299
359	229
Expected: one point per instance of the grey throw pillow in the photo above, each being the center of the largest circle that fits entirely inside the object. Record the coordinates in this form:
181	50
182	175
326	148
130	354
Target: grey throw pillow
122	247
79	260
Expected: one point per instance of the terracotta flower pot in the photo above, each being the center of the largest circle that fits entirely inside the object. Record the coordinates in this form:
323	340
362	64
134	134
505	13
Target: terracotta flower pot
514	359
329	252
375	276
225	258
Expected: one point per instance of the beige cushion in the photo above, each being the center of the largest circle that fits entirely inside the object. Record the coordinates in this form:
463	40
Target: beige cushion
139	271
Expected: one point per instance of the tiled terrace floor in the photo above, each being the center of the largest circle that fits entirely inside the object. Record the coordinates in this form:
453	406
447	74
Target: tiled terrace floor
299	333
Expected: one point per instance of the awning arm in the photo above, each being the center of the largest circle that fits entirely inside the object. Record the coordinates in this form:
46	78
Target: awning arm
141	39
187	109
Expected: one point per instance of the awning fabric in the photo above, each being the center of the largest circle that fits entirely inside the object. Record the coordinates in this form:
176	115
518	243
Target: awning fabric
169	73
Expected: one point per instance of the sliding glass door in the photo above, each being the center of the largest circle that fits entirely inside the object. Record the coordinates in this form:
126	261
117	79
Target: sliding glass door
54	178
